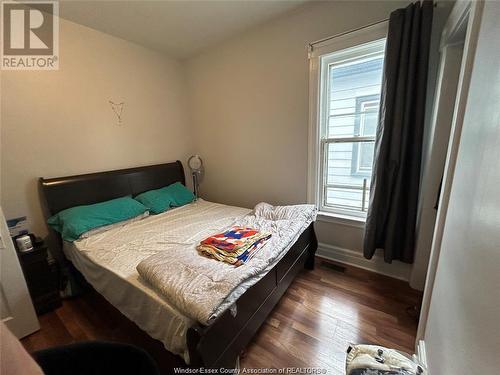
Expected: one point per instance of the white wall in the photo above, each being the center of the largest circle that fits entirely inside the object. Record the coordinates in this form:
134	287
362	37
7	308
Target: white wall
57	123
249	109
247	112
461	334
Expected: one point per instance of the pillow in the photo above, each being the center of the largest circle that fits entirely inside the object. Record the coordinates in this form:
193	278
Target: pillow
74	221
105	228
161	200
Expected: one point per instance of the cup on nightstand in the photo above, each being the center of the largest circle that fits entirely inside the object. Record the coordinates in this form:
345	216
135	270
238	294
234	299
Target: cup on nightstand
24	243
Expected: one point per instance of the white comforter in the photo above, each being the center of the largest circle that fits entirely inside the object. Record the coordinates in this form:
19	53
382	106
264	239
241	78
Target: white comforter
203	288
108	260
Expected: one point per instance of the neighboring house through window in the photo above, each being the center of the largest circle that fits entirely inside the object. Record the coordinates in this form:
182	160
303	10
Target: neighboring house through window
346	78
365	124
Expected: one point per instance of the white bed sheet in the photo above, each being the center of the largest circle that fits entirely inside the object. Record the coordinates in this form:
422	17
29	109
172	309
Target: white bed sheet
108	261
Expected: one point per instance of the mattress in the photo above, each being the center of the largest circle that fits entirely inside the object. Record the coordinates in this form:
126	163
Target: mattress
108	261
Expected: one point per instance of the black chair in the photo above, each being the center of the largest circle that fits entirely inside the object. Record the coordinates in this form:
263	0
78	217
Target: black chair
96	358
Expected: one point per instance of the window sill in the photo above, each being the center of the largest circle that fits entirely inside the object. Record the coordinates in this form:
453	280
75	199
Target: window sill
351	221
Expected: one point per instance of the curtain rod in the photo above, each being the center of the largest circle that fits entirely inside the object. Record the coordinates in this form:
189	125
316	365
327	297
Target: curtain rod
311	45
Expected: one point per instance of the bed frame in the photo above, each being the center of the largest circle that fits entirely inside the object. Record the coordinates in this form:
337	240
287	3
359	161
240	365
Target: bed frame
219	344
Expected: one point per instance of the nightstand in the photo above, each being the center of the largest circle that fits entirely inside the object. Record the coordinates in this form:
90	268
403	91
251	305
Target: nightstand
42	277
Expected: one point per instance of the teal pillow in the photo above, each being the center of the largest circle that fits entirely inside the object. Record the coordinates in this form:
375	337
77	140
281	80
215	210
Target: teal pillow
75	221
161	200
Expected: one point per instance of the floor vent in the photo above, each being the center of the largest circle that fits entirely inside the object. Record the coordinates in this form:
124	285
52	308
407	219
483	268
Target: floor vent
332	266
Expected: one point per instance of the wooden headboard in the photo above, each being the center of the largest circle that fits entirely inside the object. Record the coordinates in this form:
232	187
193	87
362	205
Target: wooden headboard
60	193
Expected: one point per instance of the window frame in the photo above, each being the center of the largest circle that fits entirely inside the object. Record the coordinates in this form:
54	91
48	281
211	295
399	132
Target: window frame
317	154
358	126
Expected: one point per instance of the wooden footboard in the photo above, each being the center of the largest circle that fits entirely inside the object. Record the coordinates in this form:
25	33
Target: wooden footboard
219	344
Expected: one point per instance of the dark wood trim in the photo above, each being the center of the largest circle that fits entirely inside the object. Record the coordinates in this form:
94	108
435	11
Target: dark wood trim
216	345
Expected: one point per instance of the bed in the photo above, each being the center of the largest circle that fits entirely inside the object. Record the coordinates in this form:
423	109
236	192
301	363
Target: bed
217	344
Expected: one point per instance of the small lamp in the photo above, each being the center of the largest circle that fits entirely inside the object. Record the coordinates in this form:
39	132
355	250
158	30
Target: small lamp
195	164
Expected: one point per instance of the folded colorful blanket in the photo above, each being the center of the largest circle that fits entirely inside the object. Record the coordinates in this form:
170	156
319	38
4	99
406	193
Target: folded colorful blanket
235	246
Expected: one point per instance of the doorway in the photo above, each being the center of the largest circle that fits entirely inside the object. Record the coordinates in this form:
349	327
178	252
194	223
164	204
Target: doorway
458	44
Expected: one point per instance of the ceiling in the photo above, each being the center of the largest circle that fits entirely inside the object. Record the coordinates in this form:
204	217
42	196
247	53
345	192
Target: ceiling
180	29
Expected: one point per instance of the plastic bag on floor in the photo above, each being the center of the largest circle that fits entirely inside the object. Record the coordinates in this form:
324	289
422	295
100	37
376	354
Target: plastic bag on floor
377	360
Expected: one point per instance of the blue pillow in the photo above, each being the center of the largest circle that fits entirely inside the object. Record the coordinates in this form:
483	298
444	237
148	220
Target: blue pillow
75	221
161	200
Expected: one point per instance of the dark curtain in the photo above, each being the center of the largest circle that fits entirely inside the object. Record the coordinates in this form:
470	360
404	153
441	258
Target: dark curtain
392	213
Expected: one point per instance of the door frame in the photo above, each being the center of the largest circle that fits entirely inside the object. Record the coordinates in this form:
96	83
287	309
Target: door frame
465	14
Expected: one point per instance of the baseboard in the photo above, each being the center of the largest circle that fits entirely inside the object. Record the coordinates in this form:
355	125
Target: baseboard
395	270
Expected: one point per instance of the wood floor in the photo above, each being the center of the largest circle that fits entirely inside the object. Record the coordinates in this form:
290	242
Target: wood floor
321	313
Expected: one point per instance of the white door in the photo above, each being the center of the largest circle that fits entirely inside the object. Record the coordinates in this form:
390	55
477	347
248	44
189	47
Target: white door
16	308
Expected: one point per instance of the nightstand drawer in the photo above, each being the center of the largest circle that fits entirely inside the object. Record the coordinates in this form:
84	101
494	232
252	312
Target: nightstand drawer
37	255
41	285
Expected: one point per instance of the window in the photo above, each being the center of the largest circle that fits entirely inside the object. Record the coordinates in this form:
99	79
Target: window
348	101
